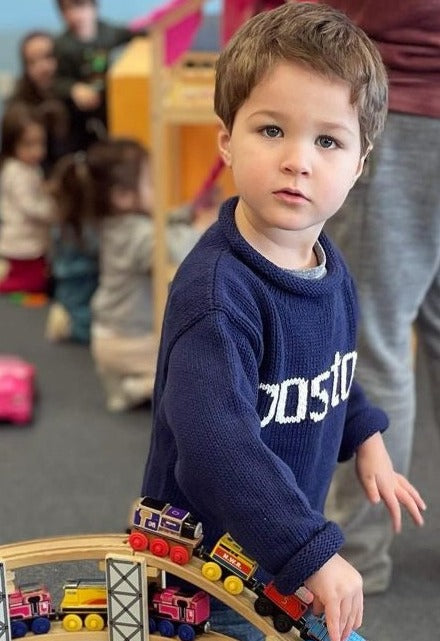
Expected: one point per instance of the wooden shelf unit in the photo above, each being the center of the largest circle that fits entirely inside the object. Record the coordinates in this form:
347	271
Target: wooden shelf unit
170	111
182	94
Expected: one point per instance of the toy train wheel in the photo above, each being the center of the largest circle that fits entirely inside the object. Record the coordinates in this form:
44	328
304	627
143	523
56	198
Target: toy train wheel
263	606
211	571
18	629
282	622
233	585
179	554
72	623
138	541
94	622
159	547
166	628
185	632
152	626
40	625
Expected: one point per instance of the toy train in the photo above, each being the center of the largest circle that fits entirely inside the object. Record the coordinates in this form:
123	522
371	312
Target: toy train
178	611
165	530
172	611
30	608
170	531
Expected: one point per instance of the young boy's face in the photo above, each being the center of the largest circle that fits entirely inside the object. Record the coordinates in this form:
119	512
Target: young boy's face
295	152
80	18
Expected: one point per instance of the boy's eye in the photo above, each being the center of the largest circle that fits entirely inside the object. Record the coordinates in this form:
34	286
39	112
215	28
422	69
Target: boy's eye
271	131
326	142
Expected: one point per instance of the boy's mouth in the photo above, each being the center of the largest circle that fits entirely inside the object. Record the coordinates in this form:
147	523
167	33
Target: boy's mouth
291	195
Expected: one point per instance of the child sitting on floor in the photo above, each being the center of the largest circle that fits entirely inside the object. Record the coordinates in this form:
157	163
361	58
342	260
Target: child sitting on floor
116	176
74	255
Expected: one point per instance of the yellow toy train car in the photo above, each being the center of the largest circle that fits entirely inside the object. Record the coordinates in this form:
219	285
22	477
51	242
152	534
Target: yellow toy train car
228	559
84	602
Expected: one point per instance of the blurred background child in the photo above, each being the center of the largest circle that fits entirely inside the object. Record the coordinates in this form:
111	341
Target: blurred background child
35	87
116	176
27	209
83	52
74	254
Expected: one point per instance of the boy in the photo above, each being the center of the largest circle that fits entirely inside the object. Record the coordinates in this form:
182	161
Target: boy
255	400
83	52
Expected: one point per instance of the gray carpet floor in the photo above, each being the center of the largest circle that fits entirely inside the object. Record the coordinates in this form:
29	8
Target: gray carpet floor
77	468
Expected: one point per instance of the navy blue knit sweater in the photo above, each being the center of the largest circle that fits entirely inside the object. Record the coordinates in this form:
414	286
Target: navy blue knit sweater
255	400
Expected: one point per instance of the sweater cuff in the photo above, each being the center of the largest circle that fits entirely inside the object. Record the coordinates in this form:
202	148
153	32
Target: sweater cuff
310	558
375	420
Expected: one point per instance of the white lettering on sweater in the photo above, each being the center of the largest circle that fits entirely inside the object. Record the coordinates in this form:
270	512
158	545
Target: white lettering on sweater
326	389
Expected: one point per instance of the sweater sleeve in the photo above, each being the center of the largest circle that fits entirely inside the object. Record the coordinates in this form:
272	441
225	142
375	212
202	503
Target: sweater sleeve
181	238
210	403
116	35
141	246
363	420
67	72
26	192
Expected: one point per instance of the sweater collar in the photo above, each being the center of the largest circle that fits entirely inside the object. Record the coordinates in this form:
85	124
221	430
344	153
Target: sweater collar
278	276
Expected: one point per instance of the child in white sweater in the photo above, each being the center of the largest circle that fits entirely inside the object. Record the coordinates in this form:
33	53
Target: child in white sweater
26	208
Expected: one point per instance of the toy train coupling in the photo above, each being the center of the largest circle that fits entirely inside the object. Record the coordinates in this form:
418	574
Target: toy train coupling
201	552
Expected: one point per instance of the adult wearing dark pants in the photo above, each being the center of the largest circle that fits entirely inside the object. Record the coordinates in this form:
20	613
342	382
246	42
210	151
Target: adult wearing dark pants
389	230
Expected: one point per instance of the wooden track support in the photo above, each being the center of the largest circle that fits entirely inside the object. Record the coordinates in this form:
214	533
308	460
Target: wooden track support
5	632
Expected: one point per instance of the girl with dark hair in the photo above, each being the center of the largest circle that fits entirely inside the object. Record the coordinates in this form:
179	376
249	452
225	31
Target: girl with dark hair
27	209
35	88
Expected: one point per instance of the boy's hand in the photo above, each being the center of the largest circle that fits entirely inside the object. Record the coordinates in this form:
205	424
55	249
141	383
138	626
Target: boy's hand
85	97
380	481
337	588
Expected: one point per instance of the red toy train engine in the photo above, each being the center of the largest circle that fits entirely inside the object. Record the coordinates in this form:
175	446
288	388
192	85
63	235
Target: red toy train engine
286	610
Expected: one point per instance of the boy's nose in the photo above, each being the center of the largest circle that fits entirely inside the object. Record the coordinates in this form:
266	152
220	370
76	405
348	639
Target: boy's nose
296	160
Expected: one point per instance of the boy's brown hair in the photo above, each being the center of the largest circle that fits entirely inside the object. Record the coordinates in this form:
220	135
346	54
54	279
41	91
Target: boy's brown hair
315	35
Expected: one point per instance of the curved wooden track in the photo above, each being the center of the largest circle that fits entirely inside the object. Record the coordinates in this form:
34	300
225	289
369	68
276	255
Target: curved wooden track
97	546
57	633
65	548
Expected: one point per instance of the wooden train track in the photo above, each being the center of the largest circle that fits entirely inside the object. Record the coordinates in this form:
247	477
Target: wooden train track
57	633
65	548
97	546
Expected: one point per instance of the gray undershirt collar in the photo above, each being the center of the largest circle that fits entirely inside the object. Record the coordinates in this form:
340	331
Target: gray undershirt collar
313	273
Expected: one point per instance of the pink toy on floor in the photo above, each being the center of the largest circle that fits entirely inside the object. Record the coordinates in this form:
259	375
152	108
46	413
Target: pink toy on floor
16	389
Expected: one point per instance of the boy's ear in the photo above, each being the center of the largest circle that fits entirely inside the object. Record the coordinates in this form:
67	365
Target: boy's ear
362	160
223	141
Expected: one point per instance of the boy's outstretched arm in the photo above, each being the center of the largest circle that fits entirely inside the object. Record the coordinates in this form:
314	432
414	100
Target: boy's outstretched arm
337	590
380	481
